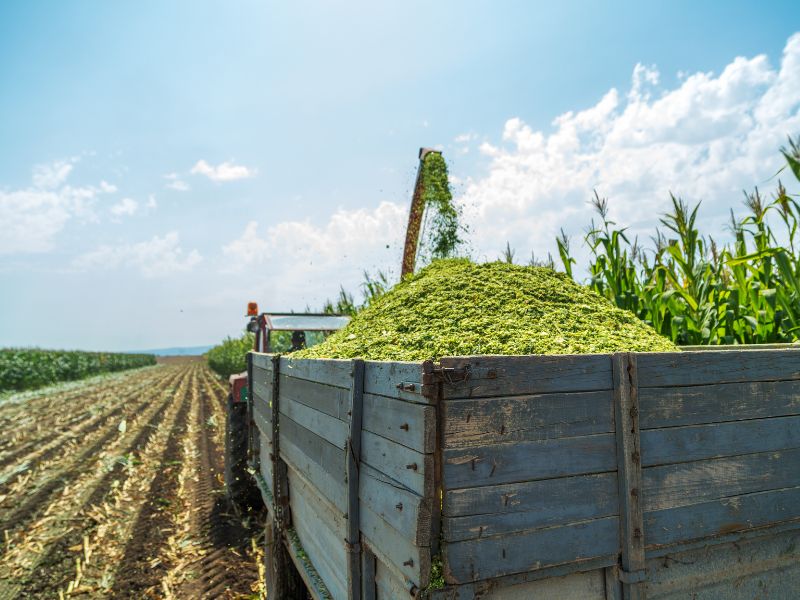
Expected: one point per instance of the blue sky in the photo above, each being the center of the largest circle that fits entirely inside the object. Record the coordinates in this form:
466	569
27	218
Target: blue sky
163	163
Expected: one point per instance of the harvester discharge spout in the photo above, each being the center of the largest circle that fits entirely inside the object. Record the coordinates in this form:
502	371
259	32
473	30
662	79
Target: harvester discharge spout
415	216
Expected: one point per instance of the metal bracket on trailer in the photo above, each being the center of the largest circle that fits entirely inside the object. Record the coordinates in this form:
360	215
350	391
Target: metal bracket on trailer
280	481
353	449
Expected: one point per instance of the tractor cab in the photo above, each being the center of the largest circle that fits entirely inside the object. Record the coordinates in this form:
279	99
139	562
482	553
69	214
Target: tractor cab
289	332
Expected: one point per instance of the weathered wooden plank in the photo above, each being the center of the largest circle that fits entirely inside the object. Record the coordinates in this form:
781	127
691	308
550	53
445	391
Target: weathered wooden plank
261	375
393	549
526	461
698	442
723	516
715	366
321	531
629	472
322	452
262	416
559	582
327	427
331	486
333	401
412	425
328	371
486	421
407	466
669	486
394	380
407	512
735	537
265	464
522	375
502	509
693	405
261	360
495	556
369	589
390	585
262	392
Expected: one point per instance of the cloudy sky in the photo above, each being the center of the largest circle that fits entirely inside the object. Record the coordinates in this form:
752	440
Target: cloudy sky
163	163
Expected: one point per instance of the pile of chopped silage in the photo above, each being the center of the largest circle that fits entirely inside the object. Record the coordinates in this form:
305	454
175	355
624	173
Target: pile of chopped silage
455	307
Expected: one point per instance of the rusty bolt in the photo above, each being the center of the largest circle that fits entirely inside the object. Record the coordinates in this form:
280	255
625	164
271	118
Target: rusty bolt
399	506
409	563
412	466
404	426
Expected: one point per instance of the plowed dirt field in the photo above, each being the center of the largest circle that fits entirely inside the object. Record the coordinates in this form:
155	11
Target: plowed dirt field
113	489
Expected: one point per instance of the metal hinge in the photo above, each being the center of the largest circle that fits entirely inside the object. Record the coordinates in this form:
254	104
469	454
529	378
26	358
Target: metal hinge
453	375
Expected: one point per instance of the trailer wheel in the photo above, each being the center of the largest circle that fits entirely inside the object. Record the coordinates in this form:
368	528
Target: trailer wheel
282	579
238	484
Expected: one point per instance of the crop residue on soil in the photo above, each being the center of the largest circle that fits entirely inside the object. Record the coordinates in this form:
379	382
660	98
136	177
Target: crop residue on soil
92	509
455	307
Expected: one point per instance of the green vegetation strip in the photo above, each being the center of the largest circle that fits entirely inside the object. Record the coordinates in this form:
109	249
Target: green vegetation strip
455	307
31	368
230	356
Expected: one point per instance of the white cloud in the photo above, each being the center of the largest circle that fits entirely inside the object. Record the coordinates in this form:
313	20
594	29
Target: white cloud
226	171
125	207
108	188
157	257
174	182
311	260
706	139
52	175
31	217
151	203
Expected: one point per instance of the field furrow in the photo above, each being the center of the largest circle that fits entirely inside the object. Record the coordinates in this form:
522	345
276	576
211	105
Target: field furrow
57	568
43	516
47	445
118	492
25	409
48	473
213	550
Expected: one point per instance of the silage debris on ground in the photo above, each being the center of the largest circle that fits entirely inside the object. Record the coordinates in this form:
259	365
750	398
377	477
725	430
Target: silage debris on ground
455	307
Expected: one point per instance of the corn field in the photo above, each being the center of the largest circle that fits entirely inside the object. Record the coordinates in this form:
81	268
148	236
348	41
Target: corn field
30	368
691	289
230	356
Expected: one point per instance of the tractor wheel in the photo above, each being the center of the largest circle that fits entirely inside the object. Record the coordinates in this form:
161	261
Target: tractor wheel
238	483
282	579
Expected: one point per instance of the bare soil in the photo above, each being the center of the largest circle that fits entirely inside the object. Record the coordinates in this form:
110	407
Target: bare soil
114	490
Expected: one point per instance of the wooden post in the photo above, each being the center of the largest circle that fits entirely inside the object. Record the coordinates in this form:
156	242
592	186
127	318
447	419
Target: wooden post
283	580
632	572
280	484
433	393
251	430
353	450
368	589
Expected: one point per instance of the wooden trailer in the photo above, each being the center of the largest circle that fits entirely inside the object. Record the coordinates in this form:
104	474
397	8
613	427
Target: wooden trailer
632	475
